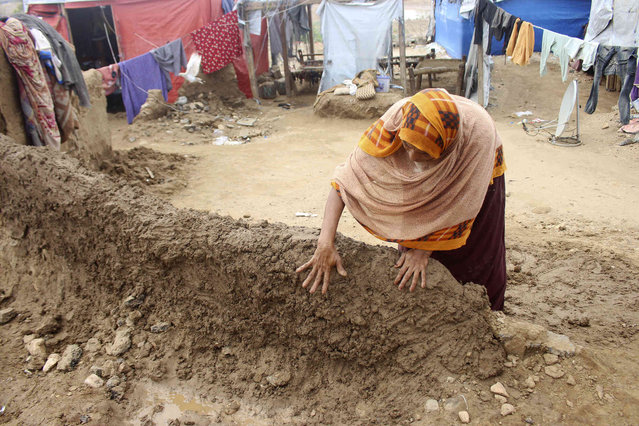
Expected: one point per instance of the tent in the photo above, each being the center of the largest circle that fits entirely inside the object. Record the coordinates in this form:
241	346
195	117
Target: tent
454	28
142	25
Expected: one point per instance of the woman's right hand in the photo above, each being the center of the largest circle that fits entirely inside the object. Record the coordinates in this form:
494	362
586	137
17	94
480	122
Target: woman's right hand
322	262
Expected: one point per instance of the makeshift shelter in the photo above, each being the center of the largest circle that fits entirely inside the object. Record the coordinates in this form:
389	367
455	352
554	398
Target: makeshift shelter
454	26
139	26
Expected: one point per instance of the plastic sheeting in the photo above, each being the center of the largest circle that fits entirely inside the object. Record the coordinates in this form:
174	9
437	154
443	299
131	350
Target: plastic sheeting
614	23
355	35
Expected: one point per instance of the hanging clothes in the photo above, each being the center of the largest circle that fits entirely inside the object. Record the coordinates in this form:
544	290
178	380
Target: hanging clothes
614	60
71	72
35	98
218	42
564	47
110	77
525	44
171	58
634	93
227	6
137	77
355	35
512	42
47	57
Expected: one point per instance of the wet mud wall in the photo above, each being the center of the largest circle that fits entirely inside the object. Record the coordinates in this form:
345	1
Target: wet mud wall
238	316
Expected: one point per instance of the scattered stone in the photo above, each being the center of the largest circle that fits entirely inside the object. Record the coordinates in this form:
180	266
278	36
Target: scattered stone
113	382
96	370
93	345
247	121
581	321
450	379
27	338
160	327
455	404
530	382
501	399
231	408
431	405
49	325
51	362
529	420
279	379
499	389
116	393
551	359
94	381
605	126
69	358
7	315
600	391
569	403
485	396
134	301
121	342
507	409
571	380
464	417
554	371
36	348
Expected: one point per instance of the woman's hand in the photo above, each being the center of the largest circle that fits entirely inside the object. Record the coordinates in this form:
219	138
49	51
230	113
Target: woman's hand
322	262
412	263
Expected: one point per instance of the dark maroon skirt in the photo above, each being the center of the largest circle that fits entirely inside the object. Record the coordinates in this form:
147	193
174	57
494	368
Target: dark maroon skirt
482	260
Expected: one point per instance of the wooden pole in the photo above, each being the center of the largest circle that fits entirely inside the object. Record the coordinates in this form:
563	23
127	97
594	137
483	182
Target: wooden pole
310	32
287	70
402	51
248	51
480	74
390	55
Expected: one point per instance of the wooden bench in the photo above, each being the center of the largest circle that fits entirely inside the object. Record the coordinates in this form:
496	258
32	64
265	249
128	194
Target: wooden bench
433	67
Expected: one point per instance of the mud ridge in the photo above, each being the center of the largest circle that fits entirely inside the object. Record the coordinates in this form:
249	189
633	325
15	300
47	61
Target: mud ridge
238	316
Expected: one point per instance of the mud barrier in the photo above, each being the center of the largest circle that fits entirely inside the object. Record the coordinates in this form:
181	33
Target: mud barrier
238	315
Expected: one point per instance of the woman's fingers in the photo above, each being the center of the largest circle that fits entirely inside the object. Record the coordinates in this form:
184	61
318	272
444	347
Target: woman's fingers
400	261
304	266
424	278
310	277
340	268
400	275
415	279
407	275
318	280
327	279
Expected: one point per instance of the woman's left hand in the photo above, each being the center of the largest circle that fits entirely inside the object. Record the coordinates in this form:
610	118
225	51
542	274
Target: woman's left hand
412	263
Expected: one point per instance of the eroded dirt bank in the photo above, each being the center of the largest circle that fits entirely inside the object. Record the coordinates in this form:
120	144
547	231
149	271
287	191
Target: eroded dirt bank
106	259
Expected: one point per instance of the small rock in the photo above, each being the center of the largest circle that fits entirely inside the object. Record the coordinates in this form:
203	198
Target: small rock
113	382
571	380
27	338
529	420
530	382
36	348
464	417
231	408
501	399
94	381
600	391
507	409
160	327
69	358
455	404
551	359
121	342
93	345
49	325
51	362
134	301
605	126
279	379
499	389
554	371
485	396
431	405
116	393
7	315
569	403
450	379
96	370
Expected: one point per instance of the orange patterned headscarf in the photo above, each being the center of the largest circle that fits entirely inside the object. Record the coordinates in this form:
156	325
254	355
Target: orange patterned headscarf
429	122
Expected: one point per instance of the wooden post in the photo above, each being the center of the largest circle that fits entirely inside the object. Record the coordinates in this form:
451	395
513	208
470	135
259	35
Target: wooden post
310	32
390	55
287	70
402	51
248	51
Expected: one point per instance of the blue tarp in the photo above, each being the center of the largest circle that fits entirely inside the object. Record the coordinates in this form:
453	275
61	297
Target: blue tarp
567	17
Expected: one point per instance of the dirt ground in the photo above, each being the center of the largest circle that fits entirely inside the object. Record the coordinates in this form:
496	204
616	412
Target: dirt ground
172	269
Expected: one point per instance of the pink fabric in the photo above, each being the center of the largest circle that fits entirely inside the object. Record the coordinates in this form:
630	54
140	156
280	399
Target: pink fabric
36	98
218	42
109	81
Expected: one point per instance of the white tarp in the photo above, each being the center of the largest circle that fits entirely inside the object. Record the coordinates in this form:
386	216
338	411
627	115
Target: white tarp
354	35
614	22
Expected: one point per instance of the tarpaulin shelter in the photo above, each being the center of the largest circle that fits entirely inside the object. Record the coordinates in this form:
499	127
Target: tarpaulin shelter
454	27
142	25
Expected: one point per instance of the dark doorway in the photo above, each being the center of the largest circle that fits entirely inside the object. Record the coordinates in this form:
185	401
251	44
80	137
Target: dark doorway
94	36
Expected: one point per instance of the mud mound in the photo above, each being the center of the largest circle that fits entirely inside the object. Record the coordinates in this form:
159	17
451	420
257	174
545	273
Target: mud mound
162	173
330	105
122	261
